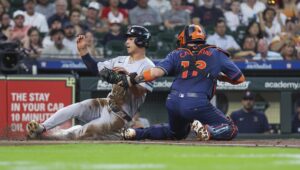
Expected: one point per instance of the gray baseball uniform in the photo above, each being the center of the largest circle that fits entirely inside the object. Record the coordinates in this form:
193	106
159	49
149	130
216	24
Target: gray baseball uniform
99	117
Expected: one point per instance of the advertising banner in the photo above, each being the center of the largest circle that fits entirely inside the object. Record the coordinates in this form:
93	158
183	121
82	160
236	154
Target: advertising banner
36	98
251	83
3	107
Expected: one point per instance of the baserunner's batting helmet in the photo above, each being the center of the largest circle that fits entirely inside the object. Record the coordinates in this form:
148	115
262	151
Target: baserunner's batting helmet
142	35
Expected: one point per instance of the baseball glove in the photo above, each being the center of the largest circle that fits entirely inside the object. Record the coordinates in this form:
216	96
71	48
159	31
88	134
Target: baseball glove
128	81
112	77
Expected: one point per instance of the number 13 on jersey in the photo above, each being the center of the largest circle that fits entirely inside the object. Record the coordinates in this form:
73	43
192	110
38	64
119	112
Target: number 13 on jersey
200	65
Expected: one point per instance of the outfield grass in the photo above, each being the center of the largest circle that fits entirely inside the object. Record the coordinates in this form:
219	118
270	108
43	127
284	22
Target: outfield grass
133	156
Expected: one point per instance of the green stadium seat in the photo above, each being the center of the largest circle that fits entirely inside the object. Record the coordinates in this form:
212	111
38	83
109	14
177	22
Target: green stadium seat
154	29
114	48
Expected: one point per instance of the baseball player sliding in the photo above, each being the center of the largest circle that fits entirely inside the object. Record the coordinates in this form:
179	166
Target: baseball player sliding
103	116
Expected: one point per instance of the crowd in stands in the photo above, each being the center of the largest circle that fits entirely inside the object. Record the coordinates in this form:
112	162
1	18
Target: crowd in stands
248	29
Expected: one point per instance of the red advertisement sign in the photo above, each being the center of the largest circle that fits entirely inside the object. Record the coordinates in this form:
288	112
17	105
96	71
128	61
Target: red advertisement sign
36	99
3	107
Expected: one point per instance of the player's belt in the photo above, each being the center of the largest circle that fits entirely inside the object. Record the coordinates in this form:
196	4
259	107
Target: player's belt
188	94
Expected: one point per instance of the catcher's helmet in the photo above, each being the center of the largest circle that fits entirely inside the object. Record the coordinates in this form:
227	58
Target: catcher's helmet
191	34
142	35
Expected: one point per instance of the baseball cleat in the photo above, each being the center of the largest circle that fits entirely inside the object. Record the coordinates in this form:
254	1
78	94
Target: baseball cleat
201	131
128	134
34	129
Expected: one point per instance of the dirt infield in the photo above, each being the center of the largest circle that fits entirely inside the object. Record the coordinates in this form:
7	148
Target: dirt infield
291	143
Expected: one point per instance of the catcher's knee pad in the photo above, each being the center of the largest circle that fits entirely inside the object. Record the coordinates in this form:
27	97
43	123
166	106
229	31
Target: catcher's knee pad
223	132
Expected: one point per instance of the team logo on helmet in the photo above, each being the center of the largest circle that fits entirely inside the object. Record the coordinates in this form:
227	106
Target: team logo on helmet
191	34
142	35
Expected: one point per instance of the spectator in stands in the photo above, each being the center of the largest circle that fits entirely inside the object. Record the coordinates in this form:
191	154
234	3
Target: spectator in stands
6	26
58	49
255	31
267	25
113	13
176	16
114	33
70	37
264	53
56	24
75	4
45	7
288	51
92	21
78	5
79	26
222	40
7	6
248	49
247	119
34	18
127	4
2	10
296	120
280	17
138	121
61	10
250	9
90	40
289	8
288	34
298	54
19	30
160	5
206	15
33	42
234	16
143	14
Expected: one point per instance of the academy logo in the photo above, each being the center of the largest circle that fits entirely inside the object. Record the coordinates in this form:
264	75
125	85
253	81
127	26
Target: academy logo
282	85
103	85
162	84
227	86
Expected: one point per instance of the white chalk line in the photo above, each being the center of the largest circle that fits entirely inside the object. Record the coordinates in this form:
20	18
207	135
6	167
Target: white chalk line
19	165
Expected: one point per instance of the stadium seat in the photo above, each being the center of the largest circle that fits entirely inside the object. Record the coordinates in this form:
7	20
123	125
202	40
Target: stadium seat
153	47
99	37
114	48
178	28
154	29
162	52
167	39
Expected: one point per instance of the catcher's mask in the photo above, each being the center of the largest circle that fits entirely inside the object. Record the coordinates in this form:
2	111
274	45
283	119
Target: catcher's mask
191	34
142	35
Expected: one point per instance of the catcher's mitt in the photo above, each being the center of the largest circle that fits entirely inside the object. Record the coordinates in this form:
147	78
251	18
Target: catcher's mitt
112	77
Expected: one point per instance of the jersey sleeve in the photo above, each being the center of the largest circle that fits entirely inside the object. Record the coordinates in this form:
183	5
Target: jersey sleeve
167	64
228	67
108	64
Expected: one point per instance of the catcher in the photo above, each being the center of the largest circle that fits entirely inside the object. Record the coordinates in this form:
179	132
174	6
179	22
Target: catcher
104	116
